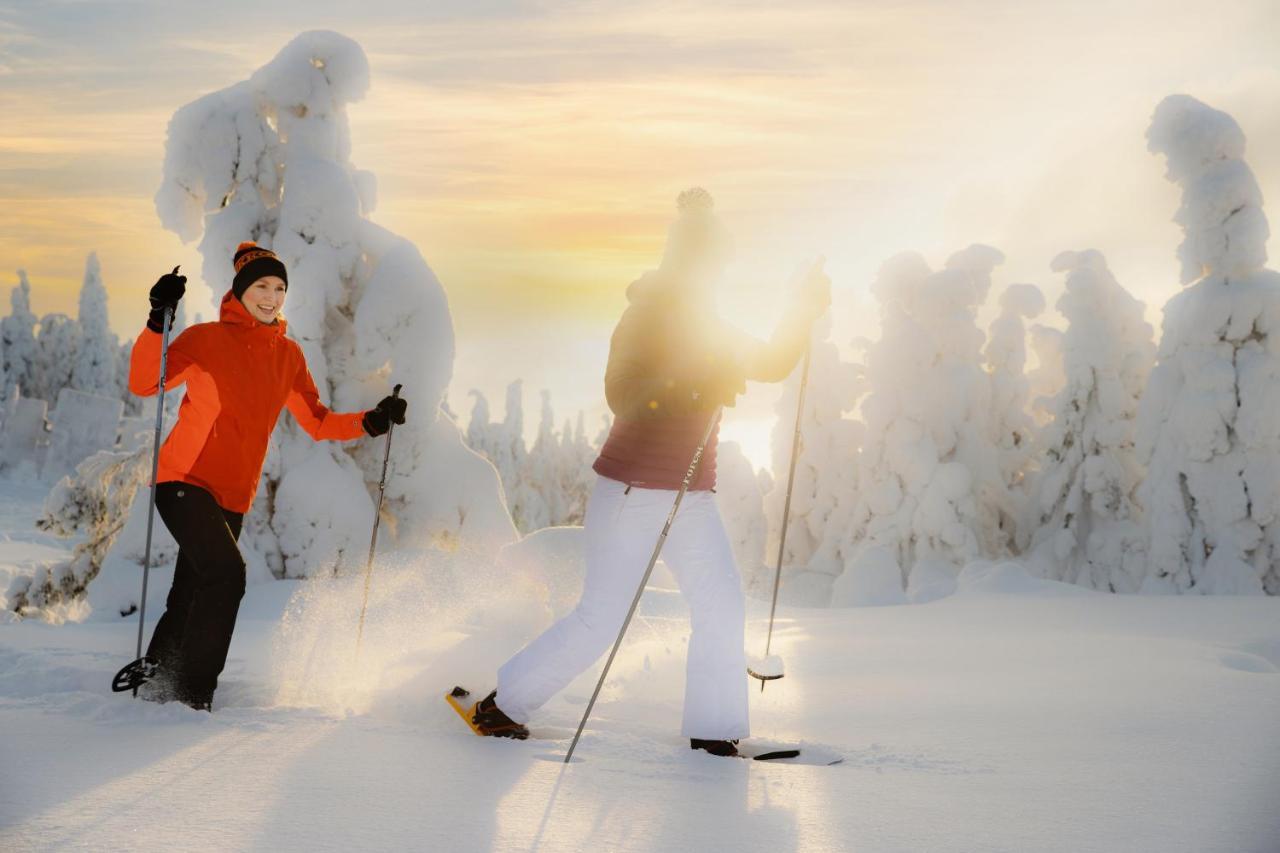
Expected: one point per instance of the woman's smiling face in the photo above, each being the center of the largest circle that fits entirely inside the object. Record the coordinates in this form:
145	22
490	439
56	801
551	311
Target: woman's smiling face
264	298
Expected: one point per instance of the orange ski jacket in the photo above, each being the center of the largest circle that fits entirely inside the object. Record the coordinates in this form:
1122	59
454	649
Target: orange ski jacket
239	374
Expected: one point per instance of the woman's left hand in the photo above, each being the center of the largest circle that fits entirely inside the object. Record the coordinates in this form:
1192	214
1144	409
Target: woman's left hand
390	410
815	290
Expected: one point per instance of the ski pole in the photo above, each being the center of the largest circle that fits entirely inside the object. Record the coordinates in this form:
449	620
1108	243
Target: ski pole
786	512
377	517
689	474
155	472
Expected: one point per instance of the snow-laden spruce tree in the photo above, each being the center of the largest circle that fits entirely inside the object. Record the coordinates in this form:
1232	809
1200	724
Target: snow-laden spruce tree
18	340
96	367
269	160
576	477
1012	427
825	491
742	507
541	471
1048	377
133	404
57	350
480	429
930	492
546	485
503	445
1089	524
1209	423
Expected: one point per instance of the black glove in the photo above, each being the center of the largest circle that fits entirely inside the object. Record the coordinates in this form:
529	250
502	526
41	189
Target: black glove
719	388
165	295
390	410
704	381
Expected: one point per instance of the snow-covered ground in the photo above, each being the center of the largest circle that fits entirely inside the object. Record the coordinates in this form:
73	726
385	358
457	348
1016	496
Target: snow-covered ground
1016	715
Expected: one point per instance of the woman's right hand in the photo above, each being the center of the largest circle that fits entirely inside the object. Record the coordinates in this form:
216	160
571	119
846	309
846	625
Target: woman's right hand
165	296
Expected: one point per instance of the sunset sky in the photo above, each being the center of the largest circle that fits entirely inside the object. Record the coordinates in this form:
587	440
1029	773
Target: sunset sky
533	151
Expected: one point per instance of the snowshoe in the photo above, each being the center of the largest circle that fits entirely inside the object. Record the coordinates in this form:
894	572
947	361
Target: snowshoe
721	748
134	675
729	749
484	717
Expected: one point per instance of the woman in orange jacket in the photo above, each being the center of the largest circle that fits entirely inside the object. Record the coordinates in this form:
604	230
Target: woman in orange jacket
239	372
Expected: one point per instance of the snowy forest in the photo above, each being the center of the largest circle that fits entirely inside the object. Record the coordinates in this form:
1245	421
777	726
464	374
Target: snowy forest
994	567
1072	444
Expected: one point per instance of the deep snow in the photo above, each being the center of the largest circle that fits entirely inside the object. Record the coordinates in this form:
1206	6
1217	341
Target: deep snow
1017	714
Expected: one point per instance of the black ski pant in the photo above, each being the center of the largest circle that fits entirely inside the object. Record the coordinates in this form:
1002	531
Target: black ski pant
194	632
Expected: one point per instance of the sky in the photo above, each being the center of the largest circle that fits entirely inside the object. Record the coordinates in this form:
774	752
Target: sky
533	151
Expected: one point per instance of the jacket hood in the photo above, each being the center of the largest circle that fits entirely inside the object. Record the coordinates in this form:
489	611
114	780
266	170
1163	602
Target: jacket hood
233	311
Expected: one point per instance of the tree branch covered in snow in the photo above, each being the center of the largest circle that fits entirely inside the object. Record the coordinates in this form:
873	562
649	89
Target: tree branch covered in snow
93	503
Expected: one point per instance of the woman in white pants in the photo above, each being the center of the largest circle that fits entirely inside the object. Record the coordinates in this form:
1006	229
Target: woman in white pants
672	364
622	525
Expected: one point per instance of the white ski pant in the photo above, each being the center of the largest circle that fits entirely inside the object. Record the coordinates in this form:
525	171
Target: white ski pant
621	529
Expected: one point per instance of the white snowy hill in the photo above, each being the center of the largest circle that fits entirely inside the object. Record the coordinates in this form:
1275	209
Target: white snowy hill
1017	715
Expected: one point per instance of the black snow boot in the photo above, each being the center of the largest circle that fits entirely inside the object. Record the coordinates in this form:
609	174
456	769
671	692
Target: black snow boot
489	720
156	683
198	703
722	748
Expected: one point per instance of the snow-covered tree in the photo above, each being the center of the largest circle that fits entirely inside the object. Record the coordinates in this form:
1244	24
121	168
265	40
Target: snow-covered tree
480	430
1209	422
546	485
930	488
1089	523
576	477
824	495
133	404
606	424
742	508
18	340
503	445
57	349
93	503
541	470
1048	377
1012	427
269	159
96	367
